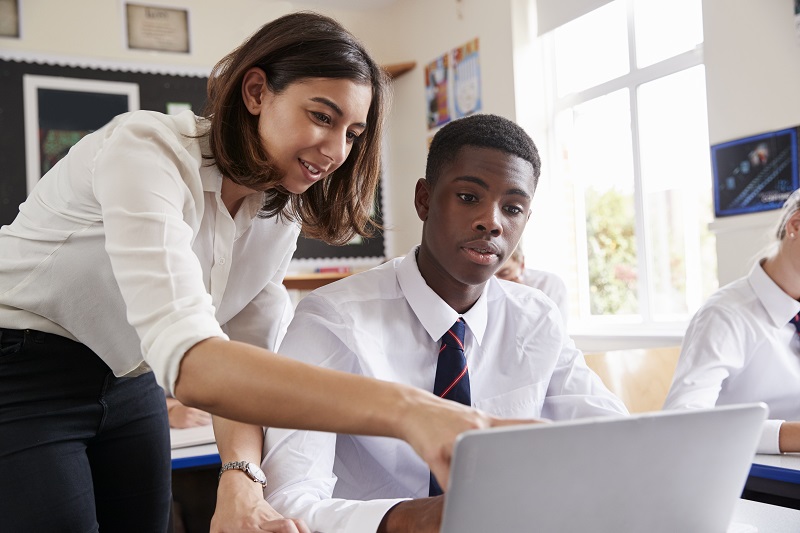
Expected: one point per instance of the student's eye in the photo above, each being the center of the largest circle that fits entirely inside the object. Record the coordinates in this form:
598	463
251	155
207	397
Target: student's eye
322	117
352	137
467	197
514	209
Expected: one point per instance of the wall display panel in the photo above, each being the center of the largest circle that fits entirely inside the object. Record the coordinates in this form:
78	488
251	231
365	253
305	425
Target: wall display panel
755	173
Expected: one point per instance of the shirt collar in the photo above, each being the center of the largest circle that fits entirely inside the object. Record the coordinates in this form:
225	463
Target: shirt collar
780	307
435	315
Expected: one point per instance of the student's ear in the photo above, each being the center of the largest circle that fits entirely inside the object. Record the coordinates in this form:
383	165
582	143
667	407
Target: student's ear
254	85
422	198
793	224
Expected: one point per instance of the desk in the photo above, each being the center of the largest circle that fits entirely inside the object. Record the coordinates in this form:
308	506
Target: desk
775	479
193	447
767	518
309	282
195	469
193	456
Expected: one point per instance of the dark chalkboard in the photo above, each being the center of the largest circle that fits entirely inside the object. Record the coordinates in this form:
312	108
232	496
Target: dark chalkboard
155	92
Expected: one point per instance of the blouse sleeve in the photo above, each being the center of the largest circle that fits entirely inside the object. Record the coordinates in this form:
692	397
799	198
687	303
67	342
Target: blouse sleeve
148	186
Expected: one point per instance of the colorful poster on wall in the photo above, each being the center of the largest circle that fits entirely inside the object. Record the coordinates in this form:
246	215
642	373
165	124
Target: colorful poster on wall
466	79
436	87
797	19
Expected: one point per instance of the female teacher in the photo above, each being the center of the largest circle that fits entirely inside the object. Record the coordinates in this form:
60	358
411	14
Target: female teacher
152	254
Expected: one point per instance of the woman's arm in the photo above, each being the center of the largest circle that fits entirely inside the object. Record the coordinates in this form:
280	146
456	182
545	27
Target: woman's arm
242	382
240	500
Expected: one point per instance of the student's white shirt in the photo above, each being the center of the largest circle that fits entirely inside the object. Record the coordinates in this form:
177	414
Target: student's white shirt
388	324
126	246
550	284
740	348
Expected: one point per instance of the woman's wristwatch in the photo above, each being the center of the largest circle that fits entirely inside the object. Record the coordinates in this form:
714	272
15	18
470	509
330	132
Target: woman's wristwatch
251	469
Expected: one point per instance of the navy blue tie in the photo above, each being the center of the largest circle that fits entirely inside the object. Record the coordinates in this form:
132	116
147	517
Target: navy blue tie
452	376
796	322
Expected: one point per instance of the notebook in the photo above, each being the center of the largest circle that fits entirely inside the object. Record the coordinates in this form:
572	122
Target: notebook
656	472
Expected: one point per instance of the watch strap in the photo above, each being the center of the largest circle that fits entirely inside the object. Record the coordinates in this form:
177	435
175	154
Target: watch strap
239	465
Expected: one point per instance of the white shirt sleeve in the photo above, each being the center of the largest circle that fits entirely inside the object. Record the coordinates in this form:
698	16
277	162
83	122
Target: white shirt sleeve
713	349
299	470
299	464
146	208
575	391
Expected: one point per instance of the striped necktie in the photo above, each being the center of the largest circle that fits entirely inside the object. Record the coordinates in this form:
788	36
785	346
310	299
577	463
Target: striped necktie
452	376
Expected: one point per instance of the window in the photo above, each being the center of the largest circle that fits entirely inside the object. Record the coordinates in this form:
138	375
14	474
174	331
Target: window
628	166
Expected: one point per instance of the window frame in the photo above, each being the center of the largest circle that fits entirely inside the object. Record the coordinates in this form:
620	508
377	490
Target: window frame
595	330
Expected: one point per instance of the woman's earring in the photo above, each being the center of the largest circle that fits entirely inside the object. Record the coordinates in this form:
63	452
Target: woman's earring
791	235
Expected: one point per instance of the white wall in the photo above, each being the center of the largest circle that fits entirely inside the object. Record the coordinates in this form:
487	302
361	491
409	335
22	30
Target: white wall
95	30
421	31
406	30
752	57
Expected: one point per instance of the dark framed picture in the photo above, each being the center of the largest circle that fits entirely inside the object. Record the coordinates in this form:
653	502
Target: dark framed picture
60	111
755	173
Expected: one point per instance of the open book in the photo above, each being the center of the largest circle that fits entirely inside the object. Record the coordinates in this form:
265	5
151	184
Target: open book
181	438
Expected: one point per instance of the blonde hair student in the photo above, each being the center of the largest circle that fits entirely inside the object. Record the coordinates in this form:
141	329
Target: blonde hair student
153	254
744	342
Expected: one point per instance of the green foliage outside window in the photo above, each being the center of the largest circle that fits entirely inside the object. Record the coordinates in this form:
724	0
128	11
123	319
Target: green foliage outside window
611	246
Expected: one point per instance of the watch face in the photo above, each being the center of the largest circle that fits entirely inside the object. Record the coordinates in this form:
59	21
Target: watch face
256	473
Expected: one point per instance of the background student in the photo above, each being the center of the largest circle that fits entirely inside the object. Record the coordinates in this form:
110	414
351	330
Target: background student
152	253
391	322
743	345
547	282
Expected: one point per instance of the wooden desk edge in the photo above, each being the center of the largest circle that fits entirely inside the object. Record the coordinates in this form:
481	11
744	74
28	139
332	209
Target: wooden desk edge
309	282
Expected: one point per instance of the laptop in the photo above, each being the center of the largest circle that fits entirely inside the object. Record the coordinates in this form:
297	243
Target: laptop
665	471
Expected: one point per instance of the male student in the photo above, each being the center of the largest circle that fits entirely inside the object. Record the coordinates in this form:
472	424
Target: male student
390	323
549	283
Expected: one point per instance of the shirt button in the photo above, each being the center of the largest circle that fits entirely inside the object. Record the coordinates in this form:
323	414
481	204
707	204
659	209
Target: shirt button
221	261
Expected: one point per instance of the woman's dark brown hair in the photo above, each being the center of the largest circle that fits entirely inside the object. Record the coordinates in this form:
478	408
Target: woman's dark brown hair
290	49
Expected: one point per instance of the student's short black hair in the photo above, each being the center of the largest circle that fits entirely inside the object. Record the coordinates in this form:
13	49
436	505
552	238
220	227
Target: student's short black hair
481	131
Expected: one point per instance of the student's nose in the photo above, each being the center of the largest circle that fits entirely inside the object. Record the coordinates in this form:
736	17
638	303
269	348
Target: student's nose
488	221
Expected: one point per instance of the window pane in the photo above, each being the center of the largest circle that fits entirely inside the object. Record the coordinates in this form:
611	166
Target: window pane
676	187
666	29
591	49
595	143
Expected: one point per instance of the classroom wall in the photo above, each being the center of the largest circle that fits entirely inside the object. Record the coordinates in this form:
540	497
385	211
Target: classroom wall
752	55
421	31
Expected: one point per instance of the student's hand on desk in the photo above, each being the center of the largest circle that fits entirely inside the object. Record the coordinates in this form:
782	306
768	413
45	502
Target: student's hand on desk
181	416
414	516
431	426
241	508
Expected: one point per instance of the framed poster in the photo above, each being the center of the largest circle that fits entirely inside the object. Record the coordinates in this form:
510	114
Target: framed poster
437	74
60	111
9	18
157	28
754	173
466	79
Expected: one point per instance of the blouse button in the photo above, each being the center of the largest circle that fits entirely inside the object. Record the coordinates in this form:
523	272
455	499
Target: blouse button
221	261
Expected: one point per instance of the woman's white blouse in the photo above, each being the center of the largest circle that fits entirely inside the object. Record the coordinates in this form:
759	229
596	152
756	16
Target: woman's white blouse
126	246
740	348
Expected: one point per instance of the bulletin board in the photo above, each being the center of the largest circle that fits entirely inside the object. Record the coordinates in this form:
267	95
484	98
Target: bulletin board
156	92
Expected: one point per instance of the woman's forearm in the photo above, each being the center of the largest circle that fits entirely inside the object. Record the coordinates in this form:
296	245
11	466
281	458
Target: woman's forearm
249	384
